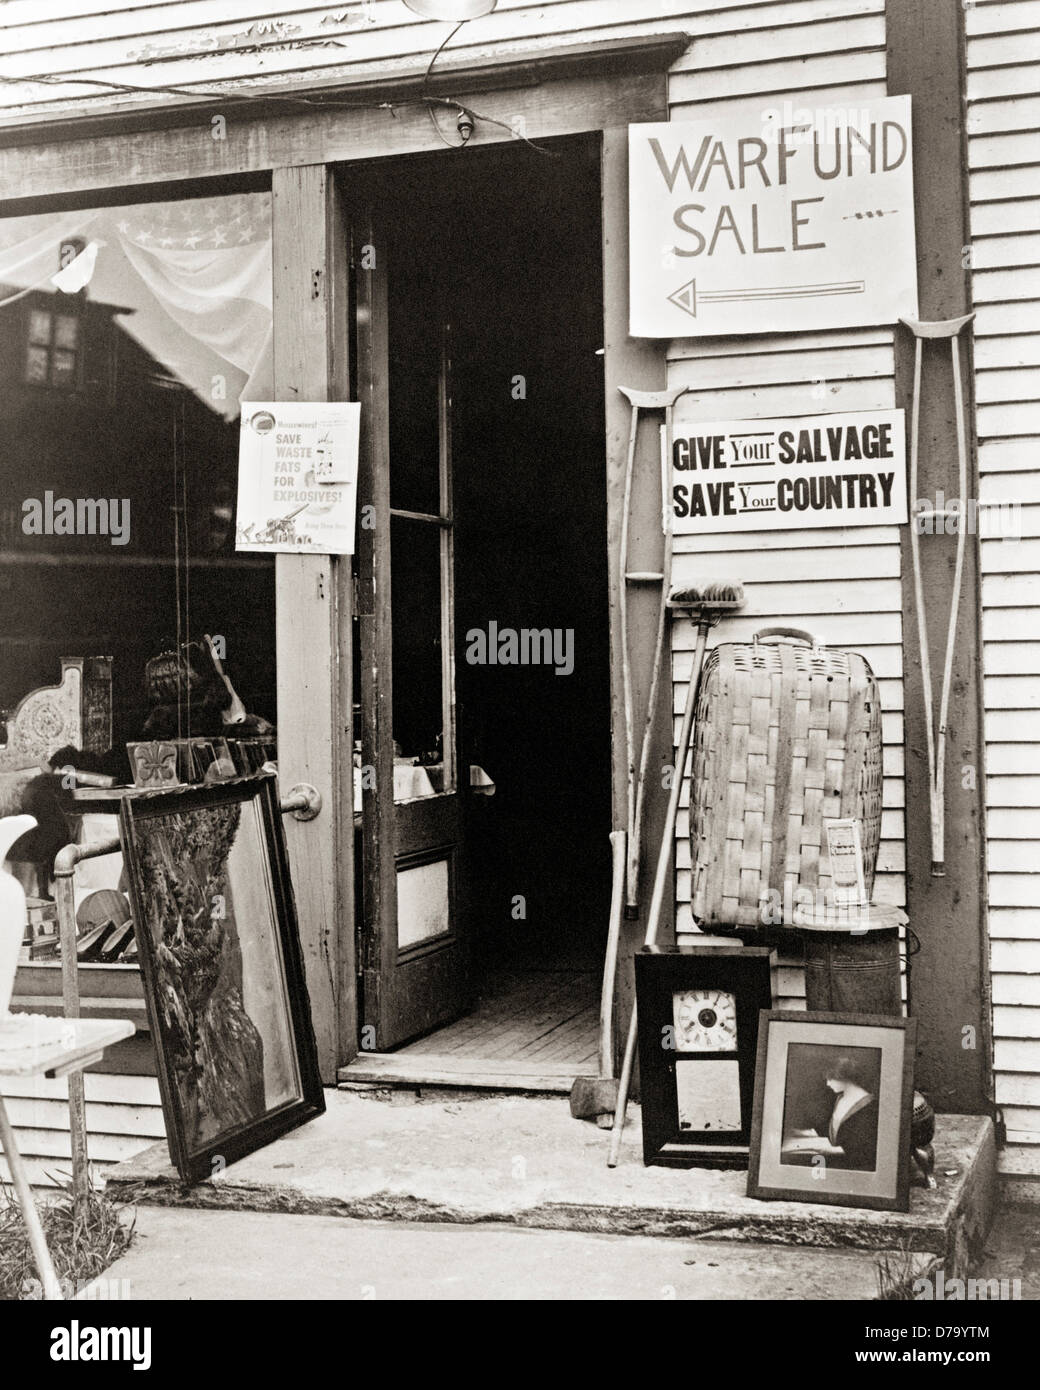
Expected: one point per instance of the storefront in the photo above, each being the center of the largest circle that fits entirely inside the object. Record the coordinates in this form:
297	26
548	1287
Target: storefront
474	299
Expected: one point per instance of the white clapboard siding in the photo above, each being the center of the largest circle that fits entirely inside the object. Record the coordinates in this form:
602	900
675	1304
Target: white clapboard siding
1013	824
1020	488
1006	250
999	319
228	44
1001	218
1003	119
1013	760
124	1116
1015	924
291	43
843	586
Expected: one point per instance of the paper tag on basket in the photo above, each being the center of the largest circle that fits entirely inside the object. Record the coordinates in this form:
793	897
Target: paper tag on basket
845	852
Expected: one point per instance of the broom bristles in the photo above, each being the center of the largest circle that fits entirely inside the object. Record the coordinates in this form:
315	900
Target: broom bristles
712	595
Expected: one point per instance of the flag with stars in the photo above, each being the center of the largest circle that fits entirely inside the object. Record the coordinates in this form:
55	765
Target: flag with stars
208	263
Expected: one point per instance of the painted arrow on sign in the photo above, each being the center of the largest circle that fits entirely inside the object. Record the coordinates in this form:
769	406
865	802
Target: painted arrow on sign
686	297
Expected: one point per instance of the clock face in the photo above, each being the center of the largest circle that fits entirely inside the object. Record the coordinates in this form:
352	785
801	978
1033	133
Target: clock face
705	1020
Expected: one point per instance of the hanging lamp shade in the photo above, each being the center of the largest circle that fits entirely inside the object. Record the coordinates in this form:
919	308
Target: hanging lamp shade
457	10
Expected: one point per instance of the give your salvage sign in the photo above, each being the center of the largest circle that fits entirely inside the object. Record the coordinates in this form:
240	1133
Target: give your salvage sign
765	475
785	220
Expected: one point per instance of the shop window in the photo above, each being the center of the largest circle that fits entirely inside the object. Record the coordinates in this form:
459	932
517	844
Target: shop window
129	338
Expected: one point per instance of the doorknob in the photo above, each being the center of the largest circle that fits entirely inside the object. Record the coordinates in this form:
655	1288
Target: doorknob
303	802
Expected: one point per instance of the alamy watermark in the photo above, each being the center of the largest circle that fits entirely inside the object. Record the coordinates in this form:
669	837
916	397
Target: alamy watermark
525	646
945	1290
79	516
829	905
792	125
948	516
87	1343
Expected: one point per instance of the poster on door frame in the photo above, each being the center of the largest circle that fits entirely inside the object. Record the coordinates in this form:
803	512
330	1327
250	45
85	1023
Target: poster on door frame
790	218
789	473
297	477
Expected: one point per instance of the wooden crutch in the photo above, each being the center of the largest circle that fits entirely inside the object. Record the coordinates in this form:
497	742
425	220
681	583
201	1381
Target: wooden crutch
639	401
936	736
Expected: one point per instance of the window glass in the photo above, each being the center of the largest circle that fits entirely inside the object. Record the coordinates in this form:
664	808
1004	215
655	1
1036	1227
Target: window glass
129	338
421	670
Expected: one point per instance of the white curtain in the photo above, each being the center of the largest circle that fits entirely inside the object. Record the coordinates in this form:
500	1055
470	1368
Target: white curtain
207	262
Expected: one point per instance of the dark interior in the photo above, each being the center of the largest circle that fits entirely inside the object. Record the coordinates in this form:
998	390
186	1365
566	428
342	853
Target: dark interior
500	250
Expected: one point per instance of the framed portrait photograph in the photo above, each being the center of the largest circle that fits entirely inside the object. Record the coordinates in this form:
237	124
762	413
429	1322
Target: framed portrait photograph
833	1098
223	972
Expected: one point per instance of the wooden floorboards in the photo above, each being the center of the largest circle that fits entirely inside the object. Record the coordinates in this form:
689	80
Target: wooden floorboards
531	1030
524	1015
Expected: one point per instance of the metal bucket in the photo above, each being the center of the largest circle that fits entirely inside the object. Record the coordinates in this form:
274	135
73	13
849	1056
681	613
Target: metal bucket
846	974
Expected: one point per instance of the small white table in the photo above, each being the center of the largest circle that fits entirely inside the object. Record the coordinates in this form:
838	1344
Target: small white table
33	1045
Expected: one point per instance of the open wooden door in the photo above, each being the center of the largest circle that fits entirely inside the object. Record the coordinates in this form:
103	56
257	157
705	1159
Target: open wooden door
413	949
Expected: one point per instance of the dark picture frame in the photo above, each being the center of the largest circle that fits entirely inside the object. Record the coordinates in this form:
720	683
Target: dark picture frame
223	971
699	1010
833	1103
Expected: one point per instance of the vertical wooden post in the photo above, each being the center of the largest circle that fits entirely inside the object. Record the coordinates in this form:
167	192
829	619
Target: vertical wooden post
20	1179
640	363
949	979
71	1007
313	597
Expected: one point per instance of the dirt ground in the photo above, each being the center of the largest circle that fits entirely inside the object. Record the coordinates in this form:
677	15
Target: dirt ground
1013	1249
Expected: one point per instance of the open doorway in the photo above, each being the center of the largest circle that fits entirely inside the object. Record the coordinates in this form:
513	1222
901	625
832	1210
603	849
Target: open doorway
494	320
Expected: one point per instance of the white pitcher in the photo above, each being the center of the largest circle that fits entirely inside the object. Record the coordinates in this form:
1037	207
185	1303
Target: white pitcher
13	914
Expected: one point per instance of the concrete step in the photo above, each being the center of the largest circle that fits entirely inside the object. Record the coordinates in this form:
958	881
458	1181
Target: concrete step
524	1161
231	1255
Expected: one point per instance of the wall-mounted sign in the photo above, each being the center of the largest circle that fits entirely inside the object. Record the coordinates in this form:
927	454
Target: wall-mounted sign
767	475
297	477
789	219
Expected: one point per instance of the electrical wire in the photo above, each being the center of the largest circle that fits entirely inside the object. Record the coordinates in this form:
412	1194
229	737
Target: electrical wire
13	298
176	577
185	532
426	90
426	99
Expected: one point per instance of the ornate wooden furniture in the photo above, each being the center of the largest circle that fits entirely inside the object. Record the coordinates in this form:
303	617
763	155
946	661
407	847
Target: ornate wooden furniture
76	712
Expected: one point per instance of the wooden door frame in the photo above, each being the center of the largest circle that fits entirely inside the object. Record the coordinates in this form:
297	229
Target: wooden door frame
580	89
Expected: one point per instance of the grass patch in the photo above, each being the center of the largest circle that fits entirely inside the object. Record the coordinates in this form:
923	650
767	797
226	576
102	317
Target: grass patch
81	1247
897	1271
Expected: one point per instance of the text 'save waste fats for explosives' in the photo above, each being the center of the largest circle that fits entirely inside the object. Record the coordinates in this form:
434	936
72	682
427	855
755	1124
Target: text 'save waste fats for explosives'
297	477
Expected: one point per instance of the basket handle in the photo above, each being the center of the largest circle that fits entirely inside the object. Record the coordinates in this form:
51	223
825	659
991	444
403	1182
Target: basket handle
796	634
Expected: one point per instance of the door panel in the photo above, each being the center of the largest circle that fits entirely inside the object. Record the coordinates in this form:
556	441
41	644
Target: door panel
413	947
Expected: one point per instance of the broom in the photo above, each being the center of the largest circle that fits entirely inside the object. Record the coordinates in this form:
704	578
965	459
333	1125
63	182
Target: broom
708	606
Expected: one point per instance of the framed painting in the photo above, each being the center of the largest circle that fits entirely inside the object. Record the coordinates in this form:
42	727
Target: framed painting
833	1098
223	971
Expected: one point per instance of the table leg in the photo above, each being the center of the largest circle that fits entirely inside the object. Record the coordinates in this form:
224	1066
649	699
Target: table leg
20	1178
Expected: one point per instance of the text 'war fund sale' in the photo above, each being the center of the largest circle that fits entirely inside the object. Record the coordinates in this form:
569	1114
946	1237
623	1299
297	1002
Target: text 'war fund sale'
781	220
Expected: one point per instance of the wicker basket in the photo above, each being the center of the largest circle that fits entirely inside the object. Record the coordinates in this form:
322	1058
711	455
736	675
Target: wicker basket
788	735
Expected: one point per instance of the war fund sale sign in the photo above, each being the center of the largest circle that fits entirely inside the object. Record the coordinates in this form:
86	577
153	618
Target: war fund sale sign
792	219
768	475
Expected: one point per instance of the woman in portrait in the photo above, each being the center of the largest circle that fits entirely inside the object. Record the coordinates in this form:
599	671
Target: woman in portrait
845	1133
